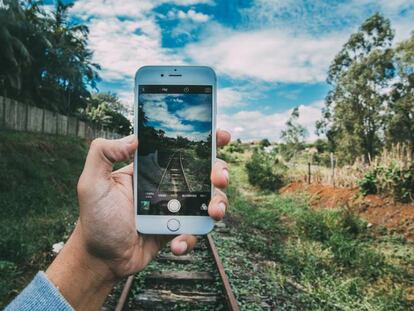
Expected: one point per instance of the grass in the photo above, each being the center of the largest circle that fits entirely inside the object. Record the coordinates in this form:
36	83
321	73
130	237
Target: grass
38	176
322	259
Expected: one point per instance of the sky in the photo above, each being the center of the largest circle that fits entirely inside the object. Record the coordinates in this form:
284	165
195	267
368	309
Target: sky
185	115
270	55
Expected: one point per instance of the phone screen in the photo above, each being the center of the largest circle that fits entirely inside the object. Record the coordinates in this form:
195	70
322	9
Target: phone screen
174	153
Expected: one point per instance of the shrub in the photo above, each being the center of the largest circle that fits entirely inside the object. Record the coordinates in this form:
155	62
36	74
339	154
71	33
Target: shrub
265	171
227	156
312	225
368	184
235	148
390	180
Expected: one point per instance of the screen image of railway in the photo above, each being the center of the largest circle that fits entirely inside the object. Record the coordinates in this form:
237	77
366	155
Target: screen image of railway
174	154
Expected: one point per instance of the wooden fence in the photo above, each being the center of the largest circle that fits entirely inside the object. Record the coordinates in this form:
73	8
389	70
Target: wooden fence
17	116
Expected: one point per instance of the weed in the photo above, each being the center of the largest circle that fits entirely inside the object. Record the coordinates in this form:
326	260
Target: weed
328	255
38	202
265	171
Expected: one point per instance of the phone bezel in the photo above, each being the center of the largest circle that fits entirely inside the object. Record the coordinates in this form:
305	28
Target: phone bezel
174	75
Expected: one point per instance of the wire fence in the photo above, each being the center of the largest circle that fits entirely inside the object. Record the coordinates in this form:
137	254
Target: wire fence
348	176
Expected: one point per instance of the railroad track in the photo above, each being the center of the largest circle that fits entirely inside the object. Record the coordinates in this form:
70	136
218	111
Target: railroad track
174	177
196	281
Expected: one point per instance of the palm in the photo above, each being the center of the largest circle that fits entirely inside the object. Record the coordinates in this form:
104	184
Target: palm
107	220
121	247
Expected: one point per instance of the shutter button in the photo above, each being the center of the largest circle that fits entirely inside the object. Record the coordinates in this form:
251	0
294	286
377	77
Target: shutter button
174	205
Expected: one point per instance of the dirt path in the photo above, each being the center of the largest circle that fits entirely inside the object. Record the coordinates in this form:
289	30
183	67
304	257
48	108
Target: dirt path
373	208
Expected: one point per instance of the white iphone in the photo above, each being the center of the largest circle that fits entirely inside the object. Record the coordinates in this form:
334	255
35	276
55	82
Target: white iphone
175	121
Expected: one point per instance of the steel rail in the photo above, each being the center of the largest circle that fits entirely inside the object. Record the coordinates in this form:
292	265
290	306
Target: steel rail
165	172
231	301
182	169
122	302
229	295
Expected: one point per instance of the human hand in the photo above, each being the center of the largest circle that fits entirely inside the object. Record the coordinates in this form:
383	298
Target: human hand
105	241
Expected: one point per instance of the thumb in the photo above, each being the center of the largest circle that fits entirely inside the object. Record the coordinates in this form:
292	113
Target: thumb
103	153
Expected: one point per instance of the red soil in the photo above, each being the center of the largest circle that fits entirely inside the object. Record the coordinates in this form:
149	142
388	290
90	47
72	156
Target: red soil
373	208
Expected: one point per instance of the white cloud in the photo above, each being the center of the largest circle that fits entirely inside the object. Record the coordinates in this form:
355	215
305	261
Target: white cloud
255	125
121	52
125	8
201	113
191	2
191	15
229	97
269	55
157	111
122	46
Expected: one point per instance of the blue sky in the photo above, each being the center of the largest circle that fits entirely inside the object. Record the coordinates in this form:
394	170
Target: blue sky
185	115
270	55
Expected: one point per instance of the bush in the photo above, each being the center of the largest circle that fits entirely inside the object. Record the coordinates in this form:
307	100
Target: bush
368	184
237	148
312	225
391	180
265	171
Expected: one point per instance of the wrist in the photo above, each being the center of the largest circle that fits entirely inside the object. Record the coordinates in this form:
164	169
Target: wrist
82	279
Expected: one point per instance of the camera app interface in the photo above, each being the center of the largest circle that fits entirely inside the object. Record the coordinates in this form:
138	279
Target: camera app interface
174	153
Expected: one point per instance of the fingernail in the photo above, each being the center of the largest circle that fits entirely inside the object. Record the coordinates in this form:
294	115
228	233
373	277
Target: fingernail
222	207
129	139
182	246
226	174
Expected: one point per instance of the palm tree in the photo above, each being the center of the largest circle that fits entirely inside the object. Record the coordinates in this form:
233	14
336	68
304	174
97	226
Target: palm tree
14	55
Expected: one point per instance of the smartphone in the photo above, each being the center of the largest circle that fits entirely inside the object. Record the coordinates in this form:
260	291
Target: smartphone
175	121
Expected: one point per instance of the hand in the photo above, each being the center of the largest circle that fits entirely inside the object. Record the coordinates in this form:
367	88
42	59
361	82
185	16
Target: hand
105	244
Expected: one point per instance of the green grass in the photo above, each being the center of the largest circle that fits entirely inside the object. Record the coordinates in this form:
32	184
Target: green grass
331	258
38	176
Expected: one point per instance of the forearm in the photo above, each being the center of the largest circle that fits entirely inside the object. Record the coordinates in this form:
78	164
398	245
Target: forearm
82	279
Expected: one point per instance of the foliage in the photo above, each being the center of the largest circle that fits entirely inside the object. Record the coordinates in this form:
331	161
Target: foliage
400	111
38	202
106	111
265	171
324	259
44	57
264	143
293	136
368	184
235	148
359	76
391	180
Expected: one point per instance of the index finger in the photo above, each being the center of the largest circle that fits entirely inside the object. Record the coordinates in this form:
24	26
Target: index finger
222	138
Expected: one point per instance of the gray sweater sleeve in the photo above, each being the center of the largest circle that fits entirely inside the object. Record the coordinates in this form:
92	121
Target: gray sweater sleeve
40	294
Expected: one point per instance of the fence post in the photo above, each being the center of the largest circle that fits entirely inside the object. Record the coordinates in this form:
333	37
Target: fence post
309	173
57	123
27	118
4	112
333	169
43	120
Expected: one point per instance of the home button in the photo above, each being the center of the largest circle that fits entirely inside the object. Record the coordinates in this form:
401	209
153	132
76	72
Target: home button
173	225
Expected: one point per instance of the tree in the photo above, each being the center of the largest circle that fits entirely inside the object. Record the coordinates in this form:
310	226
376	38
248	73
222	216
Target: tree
106	111
359	75
44	58
14	55
400	112
264	143
294	135
69	69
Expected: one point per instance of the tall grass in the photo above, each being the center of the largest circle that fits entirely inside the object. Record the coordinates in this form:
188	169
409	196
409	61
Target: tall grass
38	202
331	256
349	176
